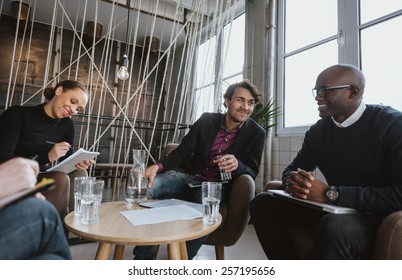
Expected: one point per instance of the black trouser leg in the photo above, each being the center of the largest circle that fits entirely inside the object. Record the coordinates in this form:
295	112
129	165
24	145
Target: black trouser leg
272	217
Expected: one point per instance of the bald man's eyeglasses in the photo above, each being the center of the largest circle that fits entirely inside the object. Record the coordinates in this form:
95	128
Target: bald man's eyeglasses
322	91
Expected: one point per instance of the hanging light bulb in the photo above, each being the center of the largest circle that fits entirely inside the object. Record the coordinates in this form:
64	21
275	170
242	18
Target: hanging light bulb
123	74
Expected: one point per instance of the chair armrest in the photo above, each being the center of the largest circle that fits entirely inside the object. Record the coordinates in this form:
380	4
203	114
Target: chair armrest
168	149
389	238
273	185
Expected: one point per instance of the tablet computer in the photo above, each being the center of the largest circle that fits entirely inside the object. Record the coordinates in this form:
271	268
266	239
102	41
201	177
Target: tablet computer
335	209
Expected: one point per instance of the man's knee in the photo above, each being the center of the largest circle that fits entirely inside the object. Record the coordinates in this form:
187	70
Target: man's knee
338	227
258	202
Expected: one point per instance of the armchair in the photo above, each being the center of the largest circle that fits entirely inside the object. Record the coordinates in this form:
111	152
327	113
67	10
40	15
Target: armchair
62	196
235	214
388	242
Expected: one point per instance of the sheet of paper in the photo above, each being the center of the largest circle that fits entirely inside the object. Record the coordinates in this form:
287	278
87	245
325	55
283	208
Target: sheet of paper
171	202
161	214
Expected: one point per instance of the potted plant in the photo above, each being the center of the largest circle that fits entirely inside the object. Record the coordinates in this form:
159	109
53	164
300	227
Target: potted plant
265	114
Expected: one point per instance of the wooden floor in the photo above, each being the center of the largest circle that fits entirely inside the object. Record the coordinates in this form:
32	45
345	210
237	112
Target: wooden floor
247	248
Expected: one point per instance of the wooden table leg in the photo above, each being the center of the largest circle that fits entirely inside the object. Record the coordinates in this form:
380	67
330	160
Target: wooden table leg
103	251
118	252
183	251
174	251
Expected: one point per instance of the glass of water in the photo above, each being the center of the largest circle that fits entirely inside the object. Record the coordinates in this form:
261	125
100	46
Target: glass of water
78	189
211	198
90	201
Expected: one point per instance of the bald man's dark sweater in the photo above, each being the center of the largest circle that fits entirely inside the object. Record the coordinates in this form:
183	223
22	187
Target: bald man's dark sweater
364	159
27	128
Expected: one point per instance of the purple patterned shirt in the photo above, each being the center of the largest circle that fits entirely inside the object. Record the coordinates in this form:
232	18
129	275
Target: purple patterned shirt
224	139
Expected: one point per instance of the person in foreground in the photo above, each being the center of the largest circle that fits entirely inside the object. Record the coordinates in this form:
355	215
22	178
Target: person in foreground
358	148
30	228
216	142
46	133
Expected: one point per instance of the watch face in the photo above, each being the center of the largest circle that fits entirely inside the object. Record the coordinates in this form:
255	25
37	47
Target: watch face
332	194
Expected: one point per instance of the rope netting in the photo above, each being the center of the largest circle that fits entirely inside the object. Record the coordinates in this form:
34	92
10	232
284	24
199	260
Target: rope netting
162	91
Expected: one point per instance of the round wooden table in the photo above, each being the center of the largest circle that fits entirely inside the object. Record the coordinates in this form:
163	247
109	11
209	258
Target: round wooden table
114	228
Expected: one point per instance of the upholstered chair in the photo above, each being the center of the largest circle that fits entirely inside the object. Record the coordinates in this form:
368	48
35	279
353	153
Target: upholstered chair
388	242
235	214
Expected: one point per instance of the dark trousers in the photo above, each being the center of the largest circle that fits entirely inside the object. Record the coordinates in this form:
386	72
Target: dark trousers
335	236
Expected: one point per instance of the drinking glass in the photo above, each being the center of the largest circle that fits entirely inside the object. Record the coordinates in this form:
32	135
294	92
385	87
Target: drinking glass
91	200
78	189
211	197
225	176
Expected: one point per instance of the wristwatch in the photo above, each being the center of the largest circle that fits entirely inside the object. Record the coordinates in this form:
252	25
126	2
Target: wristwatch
332	194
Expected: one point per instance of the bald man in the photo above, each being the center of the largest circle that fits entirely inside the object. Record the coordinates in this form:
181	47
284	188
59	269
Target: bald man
358	148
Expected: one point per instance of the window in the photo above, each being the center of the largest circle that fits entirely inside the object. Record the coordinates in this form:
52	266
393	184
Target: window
336	31
381	57
205	77
214	73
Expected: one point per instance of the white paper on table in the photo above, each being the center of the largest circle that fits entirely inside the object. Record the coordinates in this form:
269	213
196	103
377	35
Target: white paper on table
161	214
171	202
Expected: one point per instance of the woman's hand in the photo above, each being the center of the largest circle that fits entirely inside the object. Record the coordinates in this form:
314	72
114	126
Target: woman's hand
85	164
58	150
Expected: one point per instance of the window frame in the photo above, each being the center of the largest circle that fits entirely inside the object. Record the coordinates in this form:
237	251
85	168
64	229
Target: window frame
348	41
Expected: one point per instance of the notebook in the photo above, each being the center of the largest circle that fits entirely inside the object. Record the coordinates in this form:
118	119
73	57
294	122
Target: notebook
335	209
41	186
68	165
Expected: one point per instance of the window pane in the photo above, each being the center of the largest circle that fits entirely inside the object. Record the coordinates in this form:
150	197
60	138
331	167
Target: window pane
206	58
301	71
381	63
233	47
309	21
226	83
204	101
371	9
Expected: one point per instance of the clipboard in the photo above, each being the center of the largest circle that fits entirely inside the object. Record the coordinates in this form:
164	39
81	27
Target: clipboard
45	184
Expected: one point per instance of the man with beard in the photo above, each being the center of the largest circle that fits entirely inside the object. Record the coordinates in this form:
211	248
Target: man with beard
216	143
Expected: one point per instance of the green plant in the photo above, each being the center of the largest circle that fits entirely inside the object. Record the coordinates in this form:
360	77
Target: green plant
264	114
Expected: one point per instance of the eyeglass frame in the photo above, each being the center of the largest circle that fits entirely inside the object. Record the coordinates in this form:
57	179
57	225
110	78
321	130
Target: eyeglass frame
315	91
